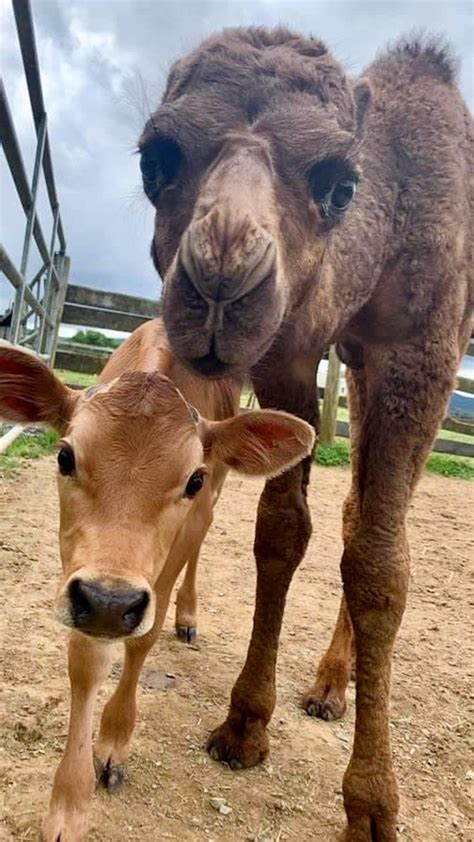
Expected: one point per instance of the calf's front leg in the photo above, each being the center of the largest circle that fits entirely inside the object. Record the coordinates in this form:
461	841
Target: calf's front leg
74	781
112	747
186	603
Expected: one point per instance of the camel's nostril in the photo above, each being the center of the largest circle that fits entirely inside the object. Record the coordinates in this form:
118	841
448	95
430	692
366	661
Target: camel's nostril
104	611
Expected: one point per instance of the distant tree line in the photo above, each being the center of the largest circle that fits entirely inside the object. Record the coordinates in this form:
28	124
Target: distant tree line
95	337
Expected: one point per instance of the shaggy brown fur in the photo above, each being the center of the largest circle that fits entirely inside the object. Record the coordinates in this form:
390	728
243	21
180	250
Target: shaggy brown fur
264	265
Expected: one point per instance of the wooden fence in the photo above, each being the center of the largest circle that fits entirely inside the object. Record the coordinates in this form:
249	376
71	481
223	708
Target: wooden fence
101	309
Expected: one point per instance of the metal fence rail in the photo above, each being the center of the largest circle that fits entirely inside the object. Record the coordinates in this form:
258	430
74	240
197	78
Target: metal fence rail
38	301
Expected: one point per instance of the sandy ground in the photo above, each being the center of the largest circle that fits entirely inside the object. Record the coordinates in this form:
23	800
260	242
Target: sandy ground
297	793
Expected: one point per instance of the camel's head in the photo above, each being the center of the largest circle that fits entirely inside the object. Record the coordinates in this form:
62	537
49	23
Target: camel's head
250	162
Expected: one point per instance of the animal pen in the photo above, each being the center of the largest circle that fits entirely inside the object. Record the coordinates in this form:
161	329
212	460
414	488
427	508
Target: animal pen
45	301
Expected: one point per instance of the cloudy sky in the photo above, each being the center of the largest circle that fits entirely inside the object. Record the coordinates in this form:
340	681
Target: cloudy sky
104	63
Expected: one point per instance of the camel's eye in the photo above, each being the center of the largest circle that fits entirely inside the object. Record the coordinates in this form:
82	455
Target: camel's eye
194	485
342	194
66	460
160	161
333	185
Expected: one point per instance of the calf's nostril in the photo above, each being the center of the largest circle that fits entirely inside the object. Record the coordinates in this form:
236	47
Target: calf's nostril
81	605
135	610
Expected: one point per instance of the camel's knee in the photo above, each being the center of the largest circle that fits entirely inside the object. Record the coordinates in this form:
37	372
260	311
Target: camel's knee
284	522
375	575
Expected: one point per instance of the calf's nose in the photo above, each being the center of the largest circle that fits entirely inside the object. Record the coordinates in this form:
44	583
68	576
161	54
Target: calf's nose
104	612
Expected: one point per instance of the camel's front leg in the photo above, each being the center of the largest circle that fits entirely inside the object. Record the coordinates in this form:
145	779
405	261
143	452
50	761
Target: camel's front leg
327	697
408	389
282	534
74	781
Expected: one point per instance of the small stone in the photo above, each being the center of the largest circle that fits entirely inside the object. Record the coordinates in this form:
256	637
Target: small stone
217	803
279	804
224	809
470	775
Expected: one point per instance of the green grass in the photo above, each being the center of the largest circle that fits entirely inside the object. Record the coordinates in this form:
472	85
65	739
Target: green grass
450	466
75	378
333	455
26	447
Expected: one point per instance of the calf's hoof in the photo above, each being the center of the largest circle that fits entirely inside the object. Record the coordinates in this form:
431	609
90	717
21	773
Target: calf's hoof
187	634
109	776
327	698
240	741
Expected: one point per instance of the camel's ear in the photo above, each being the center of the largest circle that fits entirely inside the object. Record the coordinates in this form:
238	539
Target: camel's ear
263	443
31	393
362	93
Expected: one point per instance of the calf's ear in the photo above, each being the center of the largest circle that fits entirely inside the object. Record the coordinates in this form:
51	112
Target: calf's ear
263	443
30	393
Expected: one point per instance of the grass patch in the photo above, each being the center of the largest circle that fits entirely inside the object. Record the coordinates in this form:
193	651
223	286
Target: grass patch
26	447
333	455
450	466
75	378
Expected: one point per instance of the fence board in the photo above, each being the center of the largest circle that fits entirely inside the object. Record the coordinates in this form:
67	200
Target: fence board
77	314
465	385
86	362
107	300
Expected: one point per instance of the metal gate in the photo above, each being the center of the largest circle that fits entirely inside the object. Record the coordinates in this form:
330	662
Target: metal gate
35	316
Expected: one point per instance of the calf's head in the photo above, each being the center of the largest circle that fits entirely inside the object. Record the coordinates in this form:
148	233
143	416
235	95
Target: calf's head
133	461
251	162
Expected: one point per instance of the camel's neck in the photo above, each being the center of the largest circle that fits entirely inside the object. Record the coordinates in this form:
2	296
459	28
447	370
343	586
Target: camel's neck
147	349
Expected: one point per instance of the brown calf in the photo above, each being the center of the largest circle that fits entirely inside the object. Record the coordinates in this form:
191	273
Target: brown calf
140	470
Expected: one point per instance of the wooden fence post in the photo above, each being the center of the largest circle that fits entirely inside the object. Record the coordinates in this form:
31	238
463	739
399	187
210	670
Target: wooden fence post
331	398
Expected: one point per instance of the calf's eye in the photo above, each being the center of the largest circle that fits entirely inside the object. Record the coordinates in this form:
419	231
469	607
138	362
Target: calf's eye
194	485
66	461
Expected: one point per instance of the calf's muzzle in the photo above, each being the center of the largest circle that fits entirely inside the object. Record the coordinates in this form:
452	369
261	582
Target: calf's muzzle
102	611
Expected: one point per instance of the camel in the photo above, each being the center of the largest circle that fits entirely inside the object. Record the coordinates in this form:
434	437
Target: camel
296	207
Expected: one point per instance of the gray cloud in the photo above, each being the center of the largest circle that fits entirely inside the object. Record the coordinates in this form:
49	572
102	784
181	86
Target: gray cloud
103	62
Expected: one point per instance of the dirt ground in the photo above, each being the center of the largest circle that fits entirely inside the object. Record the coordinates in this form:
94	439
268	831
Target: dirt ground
297	793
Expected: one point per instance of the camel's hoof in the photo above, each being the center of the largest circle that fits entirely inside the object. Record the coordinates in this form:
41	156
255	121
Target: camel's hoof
240	749
327	709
